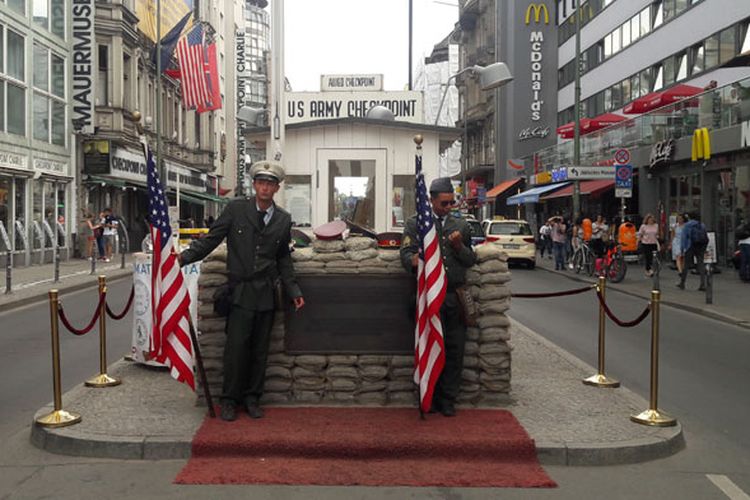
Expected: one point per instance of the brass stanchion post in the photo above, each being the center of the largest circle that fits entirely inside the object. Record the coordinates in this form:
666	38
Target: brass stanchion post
103	380
58	417
653	416
600	379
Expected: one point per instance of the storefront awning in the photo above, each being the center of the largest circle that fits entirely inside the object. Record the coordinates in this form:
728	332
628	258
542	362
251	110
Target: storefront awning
601	121
568	131
502	187
106	181
672	95
594	188
639	105
532	195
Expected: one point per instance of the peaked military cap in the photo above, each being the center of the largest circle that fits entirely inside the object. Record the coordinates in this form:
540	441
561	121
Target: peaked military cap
268	170
441	185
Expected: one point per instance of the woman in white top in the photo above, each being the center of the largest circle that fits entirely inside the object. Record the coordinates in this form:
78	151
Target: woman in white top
648	237
677	253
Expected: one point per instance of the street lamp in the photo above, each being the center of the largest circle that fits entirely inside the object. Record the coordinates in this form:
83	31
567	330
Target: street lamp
490	77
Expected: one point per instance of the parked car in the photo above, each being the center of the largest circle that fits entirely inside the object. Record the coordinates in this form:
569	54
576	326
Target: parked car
515	237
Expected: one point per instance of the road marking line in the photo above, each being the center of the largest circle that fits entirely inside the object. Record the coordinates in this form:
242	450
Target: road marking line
728	487
21	286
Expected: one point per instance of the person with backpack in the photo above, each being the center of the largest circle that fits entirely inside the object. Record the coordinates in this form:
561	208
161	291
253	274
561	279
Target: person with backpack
694	243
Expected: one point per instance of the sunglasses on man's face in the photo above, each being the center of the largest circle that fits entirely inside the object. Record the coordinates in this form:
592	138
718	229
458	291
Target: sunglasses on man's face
447	203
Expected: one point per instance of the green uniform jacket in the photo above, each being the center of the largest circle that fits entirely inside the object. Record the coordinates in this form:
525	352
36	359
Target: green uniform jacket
256	259
455	262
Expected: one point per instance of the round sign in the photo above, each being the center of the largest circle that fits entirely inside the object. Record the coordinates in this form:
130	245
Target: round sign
622	156
623	173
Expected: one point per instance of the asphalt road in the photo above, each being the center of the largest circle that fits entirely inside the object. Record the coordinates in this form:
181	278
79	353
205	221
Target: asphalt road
26	356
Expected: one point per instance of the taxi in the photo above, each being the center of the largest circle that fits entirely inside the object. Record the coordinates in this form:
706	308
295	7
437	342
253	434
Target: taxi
514	237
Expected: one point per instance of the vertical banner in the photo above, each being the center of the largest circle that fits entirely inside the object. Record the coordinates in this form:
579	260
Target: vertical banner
239	38
83	60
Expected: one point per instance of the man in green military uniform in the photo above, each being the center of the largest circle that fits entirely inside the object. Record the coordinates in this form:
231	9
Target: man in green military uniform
455	249
258	235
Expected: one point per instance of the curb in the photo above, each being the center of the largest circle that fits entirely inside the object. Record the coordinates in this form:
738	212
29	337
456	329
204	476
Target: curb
42	296
724	318
623	452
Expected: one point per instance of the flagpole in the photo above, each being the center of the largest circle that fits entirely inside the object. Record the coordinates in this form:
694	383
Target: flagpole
159	167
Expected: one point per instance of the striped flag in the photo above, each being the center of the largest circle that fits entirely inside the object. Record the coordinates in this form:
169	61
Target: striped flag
429	348
191	56
170	301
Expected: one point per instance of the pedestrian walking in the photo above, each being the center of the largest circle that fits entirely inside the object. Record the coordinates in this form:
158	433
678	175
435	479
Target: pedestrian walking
599	234
559	240
99	235
110	233
545	239
458	256
258	235
677	228
743	237
648	241
694	243
90	229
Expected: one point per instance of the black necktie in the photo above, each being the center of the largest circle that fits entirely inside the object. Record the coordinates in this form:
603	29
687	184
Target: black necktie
439	224
262	219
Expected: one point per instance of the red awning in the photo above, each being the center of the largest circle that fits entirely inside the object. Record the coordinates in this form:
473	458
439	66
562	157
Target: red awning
602	121
568	131
593	188
502	187
639	105
672	95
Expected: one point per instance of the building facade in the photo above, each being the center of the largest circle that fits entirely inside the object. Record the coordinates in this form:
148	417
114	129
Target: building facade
37	176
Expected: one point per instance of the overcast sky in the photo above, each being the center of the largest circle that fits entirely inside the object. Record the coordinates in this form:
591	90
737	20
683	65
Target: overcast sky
361	36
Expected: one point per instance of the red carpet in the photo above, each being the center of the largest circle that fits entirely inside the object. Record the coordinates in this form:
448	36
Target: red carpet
365	446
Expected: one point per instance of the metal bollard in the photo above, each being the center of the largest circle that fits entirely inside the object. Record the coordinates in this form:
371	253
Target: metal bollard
58	417
600	379
103	380
709	283
653	416
8	271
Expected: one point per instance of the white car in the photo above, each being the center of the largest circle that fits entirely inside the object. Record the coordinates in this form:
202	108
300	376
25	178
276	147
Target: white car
515	237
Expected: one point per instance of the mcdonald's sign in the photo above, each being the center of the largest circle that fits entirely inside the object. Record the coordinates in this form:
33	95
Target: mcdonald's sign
701	149
538	9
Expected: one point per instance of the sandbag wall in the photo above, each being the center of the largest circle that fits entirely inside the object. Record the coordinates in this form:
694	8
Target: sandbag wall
367	379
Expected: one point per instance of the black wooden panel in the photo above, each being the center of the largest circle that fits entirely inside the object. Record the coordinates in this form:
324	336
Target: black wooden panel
353	314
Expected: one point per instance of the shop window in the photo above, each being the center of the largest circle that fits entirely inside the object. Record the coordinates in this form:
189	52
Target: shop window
403	203
298	199
351	185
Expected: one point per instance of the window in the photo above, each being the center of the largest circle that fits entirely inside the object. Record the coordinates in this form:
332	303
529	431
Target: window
681	67
12	83
680	6
696	59
607	46
658	72
351	185
646	83
669	71
625	30
102	83
616	41
49	96
617	100
626	95
645	21
746	42
658	14
50	15
728	46
711	45
17	5
297	194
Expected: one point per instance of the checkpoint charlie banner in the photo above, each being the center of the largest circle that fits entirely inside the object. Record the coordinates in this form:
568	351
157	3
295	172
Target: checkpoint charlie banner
142	321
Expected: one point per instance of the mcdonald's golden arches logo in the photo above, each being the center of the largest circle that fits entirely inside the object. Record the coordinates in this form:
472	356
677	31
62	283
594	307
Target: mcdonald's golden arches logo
701	149
538	9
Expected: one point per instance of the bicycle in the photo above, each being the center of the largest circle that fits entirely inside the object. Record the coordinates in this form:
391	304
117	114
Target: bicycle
613	266
583	259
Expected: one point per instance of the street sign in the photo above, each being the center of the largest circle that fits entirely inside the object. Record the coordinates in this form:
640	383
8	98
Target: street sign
623	193
598	172
622	156
624	176
559	174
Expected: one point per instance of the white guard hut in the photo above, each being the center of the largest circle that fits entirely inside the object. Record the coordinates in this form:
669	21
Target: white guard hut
355	168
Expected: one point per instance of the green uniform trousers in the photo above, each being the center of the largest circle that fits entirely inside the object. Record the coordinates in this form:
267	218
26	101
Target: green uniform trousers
245	353
454	335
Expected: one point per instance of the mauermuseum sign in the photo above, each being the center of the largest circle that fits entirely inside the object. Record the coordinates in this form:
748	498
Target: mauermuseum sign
407	106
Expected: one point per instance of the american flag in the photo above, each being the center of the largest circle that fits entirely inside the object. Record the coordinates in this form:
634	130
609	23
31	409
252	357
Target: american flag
191	56
170	301
429	348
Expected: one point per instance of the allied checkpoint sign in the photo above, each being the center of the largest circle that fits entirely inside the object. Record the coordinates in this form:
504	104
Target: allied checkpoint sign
142	319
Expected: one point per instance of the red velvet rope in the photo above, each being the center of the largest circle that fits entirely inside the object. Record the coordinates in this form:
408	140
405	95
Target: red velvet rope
551	294
83	331
625	324
127	306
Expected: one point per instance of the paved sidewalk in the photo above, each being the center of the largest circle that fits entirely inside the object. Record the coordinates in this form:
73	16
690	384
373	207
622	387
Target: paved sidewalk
31	283
151	416
730	294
